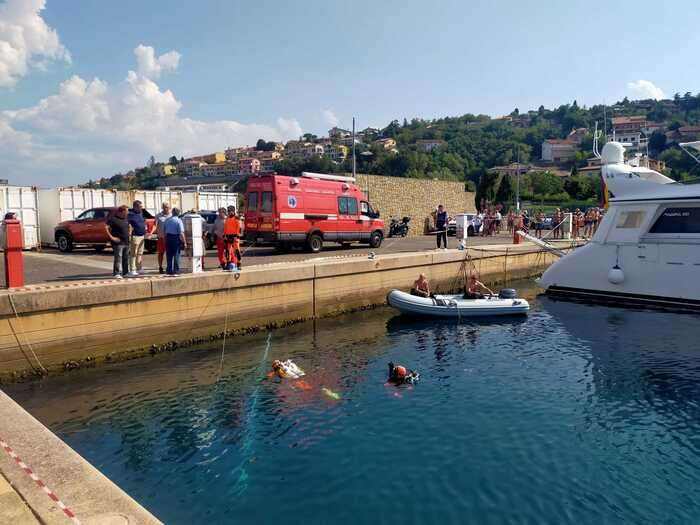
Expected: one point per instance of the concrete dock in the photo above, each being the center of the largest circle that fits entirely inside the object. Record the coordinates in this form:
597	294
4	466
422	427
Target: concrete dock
42	480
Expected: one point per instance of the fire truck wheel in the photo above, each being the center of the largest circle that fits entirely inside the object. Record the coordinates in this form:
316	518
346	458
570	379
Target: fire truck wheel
314	243
375	240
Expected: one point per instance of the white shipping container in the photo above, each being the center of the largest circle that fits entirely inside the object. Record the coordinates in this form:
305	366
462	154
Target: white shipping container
153	199
64	204
213	200
21	200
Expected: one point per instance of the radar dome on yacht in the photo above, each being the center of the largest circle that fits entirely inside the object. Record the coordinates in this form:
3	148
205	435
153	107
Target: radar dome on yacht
613	153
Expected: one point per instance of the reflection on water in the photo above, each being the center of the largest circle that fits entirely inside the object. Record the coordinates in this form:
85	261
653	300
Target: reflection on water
576	414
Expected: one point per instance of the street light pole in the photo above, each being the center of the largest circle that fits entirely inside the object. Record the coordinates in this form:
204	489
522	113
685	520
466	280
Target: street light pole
354	174
517	183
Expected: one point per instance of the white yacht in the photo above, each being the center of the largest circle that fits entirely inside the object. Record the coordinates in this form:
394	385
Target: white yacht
647	248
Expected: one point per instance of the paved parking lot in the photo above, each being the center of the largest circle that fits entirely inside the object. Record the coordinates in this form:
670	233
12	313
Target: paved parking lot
50	265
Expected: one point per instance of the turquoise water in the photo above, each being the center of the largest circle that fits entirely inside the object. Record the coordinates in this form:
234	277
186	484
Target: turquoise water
577	414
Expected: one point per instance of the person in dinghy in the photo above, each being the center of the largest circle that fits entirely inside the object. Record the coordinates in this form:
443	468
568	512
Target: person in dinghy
421	287
475	289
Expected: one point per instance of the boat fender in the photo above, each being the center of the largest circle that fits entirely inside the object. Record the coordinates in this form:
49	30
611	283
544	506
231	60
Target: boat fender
616	275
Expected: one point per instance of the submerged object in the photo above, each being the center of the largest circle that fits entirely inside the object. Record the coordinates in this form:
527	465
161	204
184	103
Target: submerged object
330	393
457	306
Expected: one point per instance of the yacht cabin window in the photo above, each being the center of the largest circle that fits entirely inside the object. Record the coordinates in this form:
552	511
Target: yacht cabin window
630	219
678	220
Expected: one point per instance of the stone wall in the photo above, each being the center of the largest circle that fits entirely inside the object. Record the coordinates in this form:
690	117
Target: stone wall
416	198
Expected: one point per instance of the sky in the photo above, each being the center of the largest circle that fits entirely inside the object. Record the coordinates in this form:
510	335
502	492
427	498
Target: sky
90	88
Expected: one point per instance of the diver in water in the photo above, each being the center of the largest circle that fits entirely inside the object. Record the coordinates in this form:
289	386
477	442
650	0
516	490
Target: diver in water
286	369
399	375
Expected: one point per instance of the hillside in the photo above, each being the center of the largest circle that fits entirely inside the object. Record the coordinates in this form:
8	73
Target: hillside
465	147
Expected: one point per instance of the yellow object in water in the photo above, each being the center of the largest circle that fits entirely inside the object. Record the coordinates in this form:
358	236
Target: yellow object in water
330	393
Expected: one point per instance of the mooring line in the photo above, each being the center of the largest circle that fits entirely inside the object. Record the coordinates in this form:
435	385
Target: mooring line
240	483
26	338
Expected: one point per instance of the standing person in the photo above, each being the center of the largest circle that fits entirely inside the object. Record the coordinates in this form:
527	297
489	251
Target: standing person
137	225
574	224
596	220
118	229
539	224
556	222
232	233
440	216
499	218
510	221
219	223
587	223
174	241
161	217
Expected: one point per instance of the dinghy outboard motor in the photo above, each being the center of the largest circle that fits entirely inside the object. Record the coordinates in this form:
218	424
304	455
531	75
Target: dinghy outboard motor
508	293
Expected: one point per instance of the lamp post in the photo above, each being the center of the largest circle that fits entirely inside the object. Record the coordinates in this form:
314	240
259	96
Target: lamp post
354	174
517	183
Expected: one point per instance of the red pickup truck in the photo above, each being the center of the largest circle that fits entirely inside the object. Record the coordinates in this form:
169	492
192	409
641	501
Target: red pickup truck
89	229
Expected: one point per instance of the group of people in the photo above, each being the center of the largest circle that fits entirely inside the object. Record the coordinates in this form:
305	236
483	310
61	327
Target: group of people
473	288
585	224
489	221
227	237
126	229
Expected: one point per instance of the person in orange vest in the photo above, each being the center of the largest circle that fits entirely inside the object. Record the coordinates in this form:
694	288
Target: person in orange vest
232	246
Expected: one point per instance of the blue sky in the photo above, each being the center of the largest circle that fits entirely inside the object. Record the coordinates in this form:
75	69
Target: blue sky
277	68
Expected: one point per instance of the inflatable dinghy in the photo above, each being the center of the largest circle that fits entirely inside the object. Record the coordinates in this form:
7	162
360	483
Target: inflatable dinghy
506	303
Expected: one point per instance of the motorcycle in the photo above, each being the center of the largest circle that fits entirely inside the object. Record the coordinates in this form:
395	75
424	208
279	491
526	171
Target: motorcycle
399	228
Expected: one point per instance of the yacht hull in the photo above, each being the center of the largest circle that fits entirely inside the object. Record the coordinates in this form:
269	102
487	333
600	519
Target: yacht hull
652	276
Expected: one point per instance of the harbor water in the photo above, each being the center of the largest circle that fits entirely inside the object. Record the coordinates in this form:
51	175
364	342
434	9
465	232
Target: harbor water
575	414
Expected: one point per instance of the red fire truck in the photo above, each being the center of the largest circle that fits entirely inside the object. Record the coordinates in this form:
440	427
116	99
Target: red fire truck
308	210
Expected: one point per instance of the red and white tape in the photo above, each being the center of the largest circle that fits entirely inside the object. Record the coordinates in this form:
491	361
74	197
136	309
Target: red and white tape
39	483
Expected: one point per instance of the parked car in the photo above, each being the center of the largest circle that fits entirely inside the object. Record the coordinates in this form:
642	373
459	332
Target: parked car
208	228
474	225
88	229
308	210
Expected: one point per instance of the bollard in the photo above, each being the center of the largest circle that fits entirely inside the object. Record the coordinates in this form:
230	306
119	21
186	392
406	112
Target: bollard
195	246
14	265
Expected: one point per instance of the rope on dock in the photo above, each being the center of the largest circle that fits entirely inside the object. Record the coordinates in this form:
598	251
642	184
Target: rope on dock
26	338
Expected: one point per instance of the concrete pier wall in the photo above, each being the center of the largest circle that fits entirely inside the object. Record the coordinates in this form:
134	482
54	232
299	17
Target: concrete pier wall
66	326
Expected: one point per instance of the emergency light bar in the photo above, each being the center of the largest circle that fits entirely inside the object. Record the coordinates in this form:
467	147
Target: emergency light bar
324	176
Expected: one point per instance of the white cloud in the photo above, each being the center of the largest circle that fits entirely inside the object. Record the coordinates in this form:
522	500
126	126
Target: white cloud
330	118
150	67
26	40
645	89
91	129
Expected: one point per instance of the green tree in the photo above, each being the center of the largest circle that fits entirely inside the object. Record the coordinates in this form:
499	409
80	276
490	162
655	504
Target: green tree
173	160
657	141
505	194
